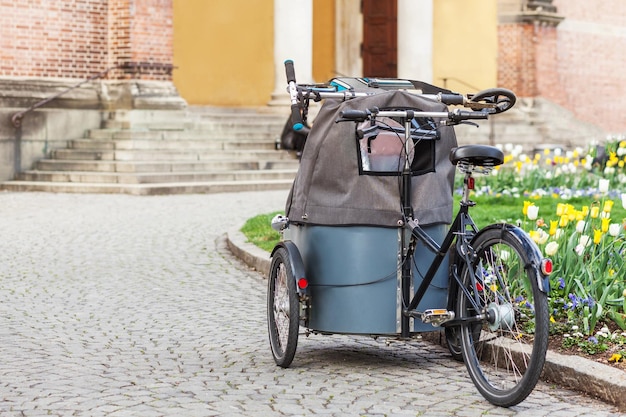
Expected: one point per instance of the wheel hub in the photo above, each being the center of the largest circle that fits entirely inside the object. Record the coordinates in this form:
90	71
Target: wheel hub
501	316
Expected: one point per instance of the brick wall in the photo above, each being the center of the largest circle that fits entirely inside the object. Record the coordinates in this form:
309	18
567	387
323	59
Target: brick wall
78	38
591	62
578	64
516	59
52	38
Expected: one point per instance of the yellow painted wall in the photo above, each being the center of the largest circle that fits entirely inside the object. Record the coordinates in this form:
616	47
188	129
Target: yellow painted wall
465	44
224	51
323	40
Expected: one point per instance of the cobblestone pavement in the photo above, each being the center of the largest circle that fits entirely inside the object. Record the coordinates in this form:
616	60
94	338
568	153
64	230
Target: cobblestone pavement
131	306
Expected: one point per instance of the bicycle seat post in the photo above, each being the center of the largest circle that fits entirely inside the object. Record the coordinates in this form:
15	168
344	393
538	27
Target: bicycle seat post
468	186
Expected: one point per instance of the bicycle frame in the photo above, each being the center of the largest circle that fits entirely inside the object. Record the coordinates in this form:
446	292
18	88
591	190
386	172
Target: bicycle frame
458	231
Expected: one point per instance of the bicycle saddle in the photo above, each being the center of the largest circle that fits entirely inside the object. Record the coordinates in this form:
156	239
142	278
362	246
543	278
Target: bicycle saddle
477	155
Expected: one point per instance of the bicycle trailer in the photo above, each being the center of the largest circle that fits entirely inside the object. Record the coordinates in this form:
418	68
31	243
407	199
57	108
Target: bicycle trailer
345	216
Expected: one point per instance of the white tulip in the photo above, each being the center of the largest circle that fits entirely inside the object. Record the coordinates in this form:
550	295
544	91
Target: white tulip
584	240
603	185
552	248
614	229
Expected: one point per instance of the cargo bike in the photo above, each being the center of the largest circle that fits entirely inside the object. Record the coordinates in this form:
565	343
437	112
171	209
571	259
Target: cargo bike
369	245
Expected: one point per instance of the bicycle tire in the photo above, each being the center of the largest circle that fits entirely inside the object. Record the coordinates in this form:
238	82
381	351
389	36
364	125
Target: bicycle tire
282	309
453	333
506	360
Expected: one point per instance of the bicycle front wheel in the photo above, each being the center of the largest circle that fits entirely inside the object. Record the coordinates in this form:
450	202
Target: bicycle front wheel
505	358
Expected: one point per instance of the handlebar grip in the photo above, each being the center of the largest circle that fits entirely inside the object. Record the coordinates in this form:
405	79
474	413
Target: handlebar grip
296	117
289	70
356	115
451	99
460	115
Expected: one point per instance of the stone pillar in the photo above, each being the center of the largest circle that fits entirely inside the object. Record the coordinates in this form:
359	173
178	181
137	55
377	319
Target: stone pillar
293	39
415	40
527	46
140	45
348	38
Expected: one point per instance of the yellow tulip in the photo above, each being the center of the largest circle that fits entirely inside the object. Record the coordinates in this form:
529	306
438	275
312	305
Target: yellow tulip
597	236
595	212
553	225
563	221
608	205
606	221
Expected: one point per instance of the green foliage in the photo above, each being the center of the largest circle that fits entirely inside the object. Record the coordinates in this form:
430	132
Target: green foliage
578	219
258	231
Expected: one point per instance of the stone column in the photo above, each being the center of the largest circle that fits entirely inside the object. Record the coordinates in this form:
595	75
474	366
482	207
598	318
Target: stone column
293	39
348	38
415	40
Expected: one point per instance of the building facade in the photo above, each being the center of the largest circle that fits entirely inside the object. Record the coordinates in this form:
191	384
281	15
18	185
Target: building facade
152	55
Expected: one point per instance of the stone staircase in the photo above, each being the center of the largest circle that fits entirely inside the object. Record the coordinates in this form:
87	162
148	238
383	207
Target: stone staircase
207	150
535	124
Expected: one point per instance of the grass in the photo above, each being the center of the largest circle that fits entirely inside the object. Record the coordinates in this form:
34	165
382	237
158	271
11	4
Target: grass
259	231
488	210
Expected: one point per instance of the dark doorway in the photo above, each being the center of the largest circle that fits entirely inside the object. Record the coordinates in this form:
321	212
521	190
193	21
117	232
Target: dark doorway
380	40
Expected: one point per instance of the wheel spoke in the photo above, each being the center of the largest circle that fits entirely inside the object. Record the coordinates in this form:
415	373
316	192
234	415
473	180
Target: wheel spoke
505	358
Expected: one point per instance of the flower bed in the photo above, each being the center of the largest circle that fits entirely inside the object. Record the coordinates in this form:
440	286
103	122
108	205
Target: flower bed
585	240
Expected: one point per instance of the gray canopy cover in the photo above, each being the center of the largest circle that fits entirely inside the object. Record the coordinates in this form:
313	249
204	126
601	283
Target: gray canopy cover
330	190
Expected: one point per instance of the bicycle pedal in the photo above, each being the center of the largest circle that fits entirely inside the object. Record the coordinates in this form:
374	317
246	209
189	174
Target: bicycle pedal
437	316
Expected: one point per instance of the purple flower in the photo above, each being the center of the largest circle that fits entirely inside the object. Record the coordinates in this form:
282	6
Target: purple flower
593	340
561	283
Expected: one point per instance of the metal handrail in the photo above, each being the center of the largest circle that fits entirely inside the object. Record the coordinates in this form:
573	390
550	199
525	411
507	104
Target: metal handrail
16	119
445	83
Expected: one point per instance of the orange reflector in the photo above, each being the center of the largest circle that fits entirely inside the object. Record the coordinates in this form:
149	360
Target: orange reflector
303	283
547	266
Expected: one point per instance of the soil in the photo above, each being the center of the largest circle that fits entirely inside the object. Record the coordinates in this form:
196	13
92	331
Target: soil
555	344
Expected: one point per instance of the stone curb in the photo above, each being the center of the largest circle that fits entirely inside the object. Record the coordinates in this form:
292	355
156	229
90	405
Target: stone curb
573	372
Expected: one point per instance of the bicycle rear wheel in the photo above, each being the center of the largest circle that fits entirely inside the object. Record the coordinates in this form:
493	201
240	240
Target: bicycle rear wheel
283	314
506	357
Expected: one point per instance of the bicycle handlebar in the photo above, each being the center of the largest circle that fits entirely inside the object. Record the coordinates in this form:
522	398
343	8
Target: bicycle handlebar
484	103
455	116
296	115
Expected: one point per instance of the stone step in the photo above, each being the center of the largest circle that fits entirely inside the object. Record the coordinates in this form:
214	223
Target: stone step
166	154
156	177
203	150
166	166
147	189
146	144
232	134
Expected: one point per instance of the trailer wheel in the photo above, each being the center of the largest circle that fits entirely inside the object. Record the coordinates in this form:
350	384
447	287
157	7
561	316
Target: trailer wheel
282	309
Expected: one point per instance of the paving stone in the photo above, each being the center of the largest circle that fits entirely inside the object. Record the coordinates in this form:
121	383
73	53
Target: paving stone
114	305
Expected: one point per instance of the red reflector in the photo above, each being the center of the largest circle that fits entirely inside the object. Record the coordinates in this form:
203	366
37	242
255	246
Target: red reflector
303	283
547	266
479	287
470	183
